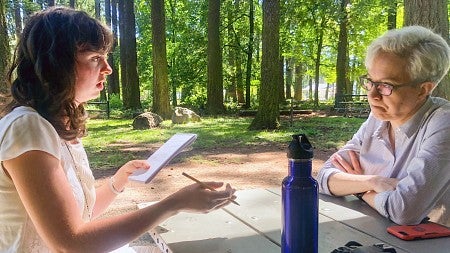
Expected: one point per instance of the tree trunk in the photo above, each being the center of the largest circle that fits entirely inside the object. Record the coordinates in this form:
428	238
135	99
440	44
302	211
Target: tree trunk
433	15
113	79
51	2
239	79
232	87
238	63
17	19
268	113
342	55
392	14
114	26
4	50
298	83
97	9
161	103
281	94
327	90
72	3
128	57
317	64
214	103
173	61
103	96
248	69
289	76
310	85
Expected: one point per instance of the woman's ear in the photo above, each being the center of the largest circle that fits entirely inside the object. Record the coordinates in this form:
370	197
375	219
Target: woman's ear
426	89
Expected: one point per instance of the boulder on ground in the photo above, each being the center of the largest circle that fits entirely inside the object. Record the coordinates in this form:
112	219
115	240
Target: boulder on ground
147	120
182	115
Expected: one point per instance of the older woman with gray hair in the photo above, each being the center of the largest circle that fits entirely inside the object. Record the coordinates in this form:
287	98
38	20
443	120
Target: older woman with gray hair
399	160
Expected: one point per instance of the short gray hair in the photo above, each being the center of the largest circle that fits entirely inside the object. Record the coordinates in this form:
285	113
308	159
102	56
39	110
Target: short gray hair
427	53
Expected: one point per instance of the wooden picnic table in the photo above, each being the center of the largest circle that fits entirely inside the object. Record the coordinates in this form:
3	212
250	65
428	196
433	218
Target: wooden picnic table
353	105
254	227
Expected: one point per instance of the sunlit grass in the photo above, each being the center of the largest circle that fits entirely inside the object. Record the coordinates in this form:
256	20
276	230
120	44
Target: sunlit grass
107	138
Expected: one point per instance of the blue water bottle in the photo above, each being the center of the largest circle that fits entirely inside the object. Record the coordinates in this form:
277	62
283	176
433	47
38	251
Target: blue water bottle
300	201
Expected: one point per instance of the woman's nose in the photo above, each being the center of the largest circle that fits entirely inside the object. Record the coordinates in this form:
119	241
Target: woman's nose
106	69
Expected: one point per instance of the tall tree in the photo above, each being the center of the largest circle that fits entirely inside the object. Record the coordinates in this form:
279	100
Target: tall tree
103	95
289	76
108	13
280	82
17	18
97	9
392	14
4	50
128	57
238	62
214	103
173	60
113	79
310	86
434	15
268	113
248	71
298	82
342	54
161	103
232	55
319	41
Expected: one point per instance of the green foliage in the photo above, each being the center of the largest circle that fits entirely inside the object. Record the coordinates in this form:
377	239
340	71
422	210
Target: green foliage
186	28
196	100
144	46
109	142
186	33
367	20
115	102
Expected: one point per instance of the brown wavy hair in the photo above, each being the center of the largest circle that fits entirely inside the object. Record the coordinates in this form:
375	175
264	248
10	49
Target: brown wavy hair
43	72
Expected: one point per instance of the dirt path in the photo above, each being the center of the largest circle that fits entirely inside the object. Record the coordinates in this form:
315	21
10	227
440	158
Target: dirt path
246	168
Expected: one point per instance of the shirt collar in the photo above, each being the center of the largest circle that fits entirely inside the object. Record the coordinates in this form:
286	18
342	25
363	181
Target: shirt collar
382	126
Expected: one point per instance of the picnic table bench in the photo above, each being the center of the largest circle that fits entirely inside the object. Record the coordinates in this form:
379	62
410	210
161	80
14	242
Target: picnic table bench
99	107
352	105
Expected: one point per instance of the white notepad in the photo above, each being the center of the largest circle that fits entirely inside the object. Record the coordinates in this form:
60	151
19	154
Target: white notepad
163	155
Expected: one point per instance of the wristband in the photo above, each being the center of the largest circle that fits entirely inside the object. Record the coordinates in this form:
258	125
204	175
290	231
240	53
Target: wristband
112	187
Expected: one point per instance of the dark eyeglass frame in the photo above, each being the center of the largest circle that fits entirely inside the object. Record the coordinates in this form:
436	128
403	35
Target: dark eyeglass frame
368	84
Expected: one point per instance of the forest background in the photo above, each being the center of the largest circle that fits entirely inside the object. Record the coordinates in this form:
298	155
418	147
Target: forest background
217	56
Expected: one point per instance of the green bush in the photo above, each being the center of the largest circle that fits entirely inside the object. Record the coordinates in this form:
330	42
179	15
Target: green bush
115	103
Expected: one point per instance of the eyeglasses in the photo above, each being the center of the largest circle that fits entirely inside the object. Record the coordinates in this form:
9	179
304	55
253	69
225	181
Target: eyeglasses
383	88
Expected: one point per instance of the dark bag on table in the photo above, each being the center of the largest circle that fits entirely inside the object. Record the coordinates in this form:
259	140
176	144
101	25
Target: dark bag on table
355	247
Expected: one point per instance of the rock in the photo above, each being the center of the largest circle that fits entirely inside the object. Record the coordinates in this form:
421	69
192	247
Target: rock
147	120
183	115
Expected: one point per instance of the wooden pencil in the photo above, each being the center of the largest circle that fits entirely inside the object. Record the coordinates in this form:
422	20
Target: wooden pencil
205	185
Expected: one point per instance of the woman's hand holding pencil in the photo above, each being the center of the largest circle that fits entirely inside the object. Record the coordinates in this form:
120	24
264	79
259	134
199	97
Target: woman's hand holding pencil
231	199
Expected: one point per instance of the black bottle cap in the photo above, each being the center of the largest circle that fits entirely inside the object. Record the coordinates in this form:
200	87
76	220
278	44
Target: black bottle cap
300	148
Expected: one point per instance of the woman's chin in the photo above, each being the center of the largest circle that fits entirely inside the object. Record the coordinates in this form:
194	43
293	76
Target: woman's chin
381	115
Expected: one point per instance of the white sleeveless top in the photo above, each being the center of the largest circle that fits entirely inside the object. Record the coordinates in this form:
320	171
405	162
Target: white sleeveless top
23	130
